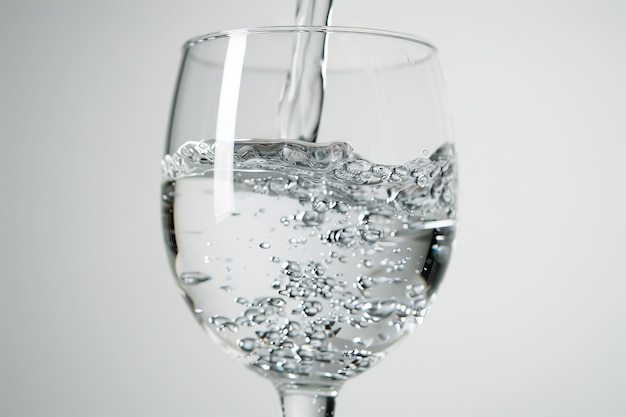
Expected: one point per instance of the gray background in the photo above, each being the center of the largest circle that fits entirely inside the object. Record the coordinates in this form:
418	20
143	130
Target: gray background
530	321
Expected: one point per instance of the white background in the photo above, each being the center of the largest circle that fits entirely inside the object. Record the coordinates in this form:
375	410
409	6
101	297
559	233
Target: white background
530	320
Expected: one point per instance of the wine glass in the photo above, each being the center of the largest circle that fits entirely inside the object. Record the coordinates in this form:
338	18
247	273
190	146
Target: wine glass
309	198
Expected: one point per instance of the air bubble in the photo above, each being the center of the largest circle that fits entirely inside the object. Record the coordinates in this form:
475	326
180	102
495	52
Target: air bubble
342	237
222	323
262	366
320	206
317	269
364	282
402	310
247	344
277	302
297	240
277	186
312	218
254	315
290	267
311	308
358	341
242	301
193	278
416	291
341	174
380	171
380	309
358	166
421	181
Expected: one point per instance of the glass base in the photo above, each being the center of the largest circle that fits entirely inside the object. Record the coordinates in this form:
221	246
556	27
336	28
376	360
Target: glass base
307	400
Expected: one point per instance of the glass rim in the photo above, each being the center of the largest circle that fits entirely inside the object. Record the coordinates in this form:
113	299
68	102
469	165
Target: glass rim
303	29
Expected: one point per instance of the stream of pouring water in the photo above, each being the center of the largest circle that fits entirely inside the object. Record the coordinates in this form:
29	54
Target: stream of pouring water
300	106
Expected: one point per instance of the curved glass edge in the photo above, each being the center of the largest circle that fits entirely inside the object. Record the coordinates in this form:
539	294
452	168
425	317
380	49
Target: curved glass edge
324	29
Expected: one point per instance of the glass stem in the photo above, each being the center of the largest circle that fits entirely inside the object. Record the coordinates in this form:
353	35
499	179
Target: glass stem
307	401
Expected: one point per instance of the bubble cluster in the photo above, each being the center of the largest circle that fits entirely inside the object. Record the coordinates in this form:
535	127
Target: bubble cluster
197	157
298	350
330	313
425	183
307	281
296	338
